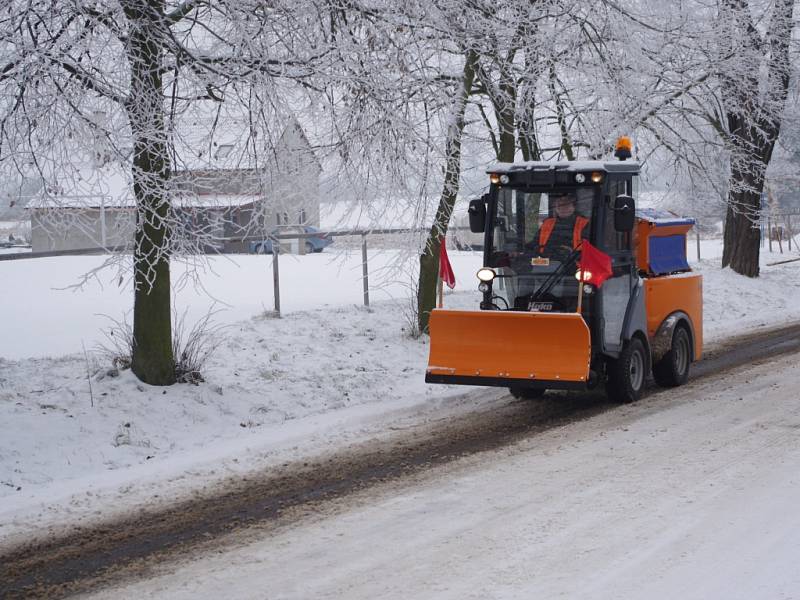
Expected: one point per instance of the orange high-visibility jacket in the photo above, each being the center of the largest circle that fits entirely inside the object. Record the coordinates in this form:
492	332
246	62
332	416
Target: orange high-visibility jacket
550	223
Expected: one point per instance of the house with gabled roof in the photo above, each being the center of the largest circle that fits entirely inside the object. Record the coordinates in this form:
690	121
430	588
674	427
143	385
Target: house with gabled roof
96	207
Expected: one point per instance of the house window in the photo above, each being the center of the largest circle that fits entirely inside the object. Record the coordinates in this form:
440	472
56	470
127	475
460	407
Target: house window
223	150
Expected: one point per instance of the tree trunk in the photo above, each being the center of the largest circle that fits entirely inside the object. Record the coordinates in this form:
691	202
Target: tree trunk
754	122
505	111
153	361
526	104
566	144
742	238
504	104
429	259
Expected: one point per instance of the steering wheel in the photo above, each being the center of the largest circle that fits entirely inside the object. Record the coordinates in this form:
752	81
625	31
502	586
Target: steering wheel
500	259
560	253
521	261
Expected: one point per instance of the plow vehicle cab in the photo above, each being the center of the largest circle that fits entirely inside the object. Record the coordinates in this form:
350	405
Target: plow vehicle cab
547	322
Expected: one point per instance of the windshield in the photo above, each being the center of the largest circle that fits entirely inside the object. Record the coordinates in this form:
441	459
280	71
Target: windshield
533	249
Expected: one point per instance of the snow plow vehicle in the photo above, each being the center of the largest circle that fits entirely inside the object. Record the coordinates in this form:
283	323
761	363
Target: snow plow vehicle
579	288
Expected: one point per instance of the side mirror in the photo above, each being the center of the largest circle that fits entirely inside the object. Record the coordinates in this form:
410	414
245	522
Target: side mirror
477	215
624	213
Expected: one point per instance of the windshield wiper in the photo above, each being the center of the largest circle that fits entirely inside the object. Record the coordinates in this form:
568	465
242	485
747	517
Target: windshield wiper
551	280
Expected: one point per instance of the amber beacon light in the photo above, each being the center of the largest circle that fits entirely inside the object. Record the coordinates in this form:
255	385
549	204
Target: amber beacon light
623	148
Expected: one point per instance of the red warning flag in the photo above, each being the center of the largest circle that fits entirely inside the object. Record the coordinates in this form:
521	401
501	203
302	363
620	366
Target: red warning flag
445	269
594	265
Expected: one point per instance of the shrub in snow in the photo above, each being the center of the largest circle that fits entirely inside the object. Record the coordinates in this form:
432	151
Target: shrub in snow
192	347
411	312
118	346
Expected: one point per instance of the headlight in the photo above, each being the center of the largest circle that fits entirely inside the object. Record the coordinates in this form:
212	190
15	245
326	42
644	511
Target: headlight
483	287
580	178
586	276
486	274
504	179
597	177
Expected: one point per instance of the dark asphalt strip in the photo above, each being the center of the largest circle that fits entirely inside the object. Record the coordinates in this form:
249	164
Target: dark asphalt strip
100	555
747	349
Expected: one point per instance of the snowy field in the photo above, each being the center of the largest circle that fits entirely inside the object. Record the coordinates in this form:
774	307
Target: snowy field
45	317
76	436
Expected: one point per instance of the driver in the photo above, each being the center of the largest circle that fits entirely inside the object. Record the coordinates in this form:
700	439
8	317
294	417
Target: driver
560	235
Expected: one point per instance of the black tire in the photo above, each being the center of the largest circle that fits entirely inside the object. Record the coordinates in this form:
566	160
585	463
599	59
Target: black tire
673	368
309	248
527	393
628	373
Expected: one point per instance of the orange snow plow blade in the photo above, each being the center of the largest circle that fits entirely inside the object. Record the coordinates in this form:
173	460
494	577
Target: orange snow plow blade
496	347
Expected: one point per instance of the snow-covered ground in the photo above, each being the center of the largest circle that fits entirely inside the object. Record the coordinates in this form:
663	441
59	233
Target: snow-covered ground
692	494
43	317
76	438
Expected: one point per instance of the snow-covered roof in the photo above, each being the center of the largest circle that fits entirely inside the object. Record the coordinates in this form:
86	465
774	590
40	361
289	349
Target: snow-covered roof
110	187
84	185
106	202
662	217
216	200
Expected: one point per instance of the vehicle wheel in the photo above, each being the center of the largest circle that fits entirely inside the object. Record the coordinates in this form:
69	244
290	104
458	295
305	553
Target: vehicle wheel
309	248
673	369
527	393
626	375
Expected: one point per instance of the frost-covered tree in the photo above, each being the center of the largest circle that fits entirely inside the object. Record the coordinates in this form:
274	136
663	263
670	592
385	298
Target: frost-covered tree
140	84
535	75
754	85
713	81
156	93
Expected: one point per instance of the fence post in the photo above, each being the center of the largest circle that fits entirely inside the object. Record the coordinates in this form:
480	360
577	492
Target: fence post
789	230
769	232
364	270
276	280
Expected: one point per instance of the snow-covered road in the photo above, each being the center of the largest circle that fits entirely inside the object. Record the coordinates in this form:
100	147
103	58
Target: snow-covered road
691	493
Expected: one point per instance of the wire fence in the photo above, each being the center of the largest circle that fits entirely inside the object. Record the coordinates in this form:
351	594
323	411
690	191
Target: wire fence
276	250
362	233
777	228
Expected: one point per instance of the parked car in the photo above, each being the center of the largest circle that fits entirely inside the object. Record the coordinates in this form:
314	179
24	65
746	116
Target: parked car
315	243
